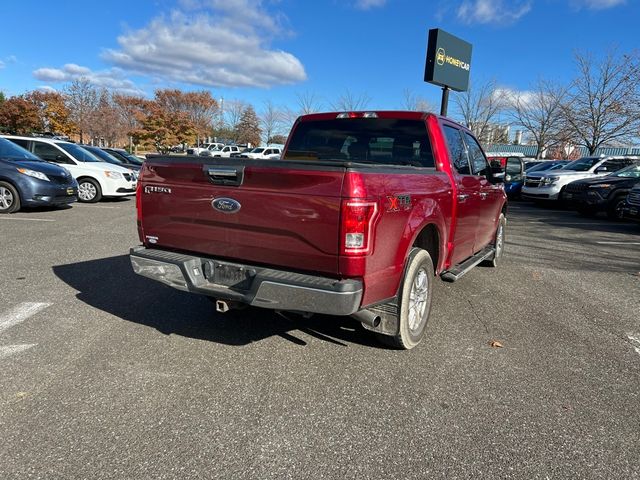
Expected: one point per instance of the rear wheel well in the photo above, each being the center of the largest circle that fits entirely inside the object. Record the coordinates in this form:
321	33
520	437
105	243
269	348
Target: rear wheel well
429	240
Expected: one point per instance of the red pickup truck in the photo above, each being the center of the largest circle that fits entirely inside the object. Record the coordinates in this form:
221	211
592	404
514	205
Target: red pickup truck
357	218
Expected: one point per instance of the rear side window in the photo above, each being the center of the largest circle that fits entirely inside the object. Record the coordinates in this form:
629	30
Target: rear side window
479	164
363	140
616	164
457	150
21	143
49	153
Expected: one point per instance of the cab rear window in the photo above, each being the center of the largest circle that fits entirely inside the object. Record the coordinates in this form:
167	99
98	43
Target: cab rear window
362	140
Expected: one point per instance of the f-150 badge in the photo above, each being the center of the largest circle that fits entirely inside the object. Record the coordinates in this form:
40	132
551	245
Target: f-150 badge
398	202
156	189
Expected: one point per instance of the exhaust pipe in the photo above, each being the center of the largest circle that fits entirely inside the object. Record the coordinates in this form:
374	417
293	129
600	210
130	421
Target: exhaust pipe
367	317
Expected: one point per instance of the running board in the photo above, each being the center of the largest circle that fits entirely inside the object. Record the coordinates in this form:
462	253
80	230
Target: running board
459	270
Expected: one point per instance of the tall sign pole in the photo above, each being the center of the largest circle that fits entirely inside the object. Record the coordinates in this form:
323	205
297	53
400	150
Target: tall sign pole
448	64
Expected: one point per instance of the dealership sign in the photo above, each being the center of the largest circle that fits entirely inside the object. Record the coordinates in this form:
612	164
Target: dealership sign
448	61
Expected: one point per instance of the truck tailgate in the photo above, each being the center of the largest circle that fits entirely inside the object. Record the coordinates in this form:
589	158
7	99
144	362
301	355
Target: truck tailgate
289	213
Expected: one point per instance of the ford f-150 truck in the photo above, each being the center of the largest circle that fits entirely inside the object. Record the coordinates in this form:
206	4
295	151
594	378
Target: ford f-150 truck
357	218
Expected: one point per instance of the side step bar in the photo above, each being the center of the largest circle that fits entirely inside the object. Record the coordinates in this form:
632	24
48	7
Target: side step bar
459	270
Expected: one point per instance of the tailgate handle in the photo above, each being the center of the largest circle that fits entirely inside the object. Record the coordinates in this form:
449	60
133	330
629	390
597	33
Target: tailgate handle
225	175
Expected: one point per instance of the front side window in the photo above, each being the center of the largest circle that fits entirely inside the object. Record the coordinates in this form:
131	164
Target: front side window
479	164
78	153
630	172
456	150
614	164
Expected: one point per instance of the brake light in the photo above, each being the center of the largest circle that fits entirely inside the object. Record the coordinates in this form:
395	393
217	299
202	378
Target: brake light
358	219
357	115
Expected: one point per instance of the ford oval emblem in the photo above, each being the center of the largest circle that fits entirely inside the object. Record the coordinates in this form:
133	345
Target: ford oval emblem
226	205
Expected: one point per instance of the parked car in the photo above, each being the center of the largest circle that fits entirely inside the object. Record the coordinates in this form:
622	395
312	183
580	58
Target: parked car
96	179
263	153
224	152
550	186
28	181
547	165
129	159
607	193
631	208
109	158
356	219
205	147
514	176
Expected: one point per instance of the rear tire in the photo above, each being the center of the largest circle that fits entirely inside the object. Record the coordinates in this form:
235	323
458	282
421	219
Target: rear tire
89	191
498	242
9	198
414	303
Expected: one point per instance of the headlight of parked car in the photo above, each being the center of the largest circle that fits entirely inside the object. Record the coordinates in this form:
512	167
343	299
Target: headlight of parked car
114	175
34	174
550	180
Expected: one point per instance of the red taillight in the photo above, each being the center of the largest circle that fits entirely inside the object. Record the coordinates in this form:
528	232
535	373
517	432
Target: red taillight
358	218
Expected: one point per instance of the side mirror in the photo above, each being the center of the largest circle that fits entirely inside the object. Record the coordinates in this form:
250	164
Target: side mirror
497	175
602	170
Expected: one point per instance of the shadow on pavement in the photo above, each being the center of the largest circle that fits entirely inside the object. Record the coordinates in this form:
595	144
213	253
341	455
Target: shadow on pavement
110	285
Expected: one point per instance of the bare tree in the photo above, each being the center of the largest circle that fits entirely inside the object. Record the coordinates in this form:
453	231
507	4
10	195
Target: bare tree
233	110
349	101
480	107
412	101
603	106
271	121
539	113
82	101
308	102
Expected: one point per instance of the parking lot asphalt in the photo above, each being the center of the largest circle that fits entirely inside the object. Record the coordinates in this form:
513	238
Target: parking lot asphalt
104	374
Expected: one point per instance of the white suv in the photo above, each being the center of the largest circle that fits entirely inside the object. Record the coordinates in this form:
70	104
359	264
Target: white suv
263	153
550	185
96	179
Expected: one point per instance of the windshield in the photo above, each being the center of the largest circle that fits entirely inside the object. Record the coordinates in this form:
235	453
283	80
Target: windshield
583	164
78	153
363	140
13	152
104	156
546	166
632	171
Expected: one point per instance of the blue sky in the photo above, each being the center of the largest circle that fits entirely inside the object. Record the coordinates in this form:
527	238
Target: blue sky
275	50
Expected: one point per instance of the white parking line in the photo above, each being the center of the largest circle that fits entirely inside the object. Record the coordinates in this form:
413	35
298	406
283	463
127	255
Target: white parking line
92	206
619	243
12	349
16	315
635	342
10	217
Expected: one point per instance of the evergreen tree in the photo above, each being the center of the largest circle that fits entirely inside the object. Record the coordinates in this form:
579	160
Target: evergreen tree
248	130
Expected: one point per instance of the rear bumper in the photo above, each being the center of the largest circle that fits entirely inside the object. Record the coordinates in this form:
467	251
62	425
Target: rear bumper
256	286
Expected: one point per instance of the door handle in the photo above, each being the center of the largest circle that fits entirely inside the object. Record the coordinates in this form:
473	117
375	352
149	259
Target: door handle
462	197
484	195
231	176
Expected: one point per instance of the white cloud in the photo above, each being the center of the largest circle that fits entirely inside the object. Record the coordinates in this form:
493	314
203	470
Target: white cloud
113	78
497	12
221	43
368	4
597	4
2	64
46	89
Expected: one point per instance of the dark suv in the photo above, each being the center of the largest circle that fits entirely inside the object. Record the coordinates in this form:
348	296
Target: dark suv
631	208
608	193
